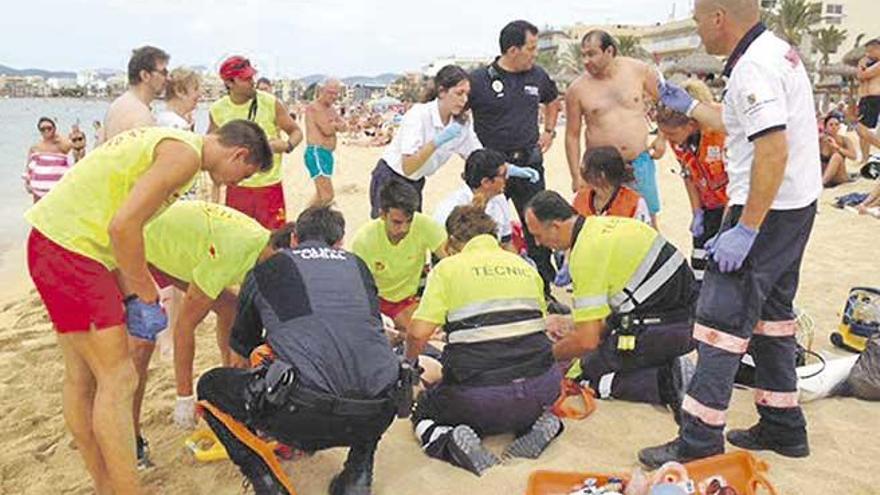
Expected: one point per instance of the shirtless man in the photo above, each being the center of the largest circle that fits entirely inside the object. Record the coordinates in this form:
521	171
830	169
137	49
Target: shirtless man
869	98
147	74
322	124
611	99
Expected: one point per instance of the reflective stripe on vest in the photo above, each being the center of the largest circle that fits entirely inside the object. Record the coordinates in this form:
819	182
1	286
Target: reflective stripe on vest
492	306
496	332
638	290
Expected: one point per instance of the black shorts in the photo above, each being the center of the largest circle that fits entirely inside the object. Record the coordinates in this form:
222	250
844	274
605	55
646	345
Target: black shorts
869	111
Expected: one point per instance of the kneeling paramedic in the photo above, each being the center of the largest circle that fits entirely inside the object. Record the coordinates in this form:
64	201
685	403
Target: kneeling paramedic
333	380
498	370
633	300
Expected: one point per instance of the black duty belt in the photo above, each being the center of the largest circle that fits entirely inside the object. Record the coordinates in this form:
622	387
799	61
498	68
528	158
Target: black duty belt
519	156
340	406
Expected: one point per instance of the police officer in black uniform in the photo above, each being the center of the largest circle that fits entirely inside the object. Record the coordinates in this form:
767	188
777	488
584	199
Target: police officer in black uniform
505	99
333	380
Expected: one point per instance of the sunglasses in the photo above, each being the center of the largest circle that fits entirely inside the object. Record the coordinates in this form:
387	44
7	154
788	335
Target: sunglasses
241	65
46	128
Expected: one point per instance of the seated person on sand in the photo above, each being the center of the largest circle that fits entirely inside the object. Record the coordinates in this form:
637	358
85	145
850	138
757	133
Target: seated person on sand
499	375
633	303
204	249
395	247
331	380
485	176
834	150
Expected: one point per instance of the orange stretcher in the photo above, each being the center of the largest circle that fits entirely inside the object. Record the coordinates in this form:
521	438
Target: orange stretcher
741	470
262	448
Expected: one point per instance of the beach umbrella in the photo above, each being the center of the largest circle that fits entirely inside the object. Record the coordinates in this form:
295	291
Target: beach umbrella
698	62
853	56
838	69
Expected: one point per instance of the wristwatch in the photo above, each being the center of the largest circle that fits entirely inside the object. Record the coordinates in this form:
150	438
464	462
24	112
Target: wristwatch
552	132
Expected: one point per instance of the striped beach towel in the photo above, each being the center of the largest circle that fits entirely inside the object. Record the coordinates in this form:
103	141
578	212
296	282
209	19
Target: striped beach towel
44	170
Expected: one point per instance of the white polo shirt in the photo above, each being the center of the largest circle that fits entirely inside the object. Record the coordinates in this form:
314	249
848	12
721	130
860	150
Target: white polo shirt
497	208
768	90
420	125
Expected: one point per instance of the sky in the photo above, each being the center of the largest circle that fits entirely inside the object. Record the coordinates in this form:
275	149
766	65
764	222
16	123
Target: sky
288	37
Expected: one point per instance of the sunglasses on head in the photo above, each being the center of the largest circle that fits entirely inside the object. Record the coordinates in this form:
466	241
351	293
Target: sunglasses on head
241	65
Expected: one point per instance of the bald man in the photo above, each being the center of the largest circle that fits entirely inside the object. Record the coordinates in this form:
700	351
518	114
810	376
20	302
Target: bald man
745	303
322	124
611	98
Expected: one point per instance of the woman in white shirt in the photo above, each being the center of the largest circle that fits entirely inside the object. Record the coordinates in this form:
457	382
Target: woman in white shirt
182	93
428	136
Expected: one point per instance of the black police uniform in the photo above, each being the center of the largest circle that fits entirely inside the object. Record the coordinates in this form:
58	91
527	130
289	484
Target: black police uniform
319	307
505	107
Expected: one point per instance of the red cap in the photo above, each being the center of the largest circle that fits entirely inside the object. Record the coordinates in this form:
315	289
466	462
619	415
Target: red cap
236	67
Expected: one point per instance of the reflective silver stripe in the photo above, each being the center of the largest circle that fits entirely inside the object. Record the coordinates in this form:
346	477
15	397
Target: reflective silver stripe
698	275
590	302
700	254
492	306
605	385
648	261
653	284
496	332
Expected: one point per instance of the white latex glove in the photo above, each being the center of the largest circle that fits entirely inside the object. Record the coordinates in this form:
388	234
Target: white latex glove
185	412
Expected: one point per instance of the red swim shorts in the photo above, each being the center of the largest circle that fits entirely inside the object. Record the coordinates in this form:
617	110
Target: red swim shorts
392	309
78	291
263	204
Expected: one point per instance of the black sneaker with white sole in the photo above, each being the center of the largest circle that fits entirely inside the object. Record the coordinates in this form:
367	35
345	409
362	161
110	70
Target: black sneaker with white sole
533	443
143	454
468	452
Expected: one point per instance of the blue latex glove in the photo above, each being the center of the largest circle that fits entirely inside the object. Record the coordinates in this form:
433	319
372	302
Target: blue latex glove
730	248
523	173
450	132
697	227
563	276
676	98
144	320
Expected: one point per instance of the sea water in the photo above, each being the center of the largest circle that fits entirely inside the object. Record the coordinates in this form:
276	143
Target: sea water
18	132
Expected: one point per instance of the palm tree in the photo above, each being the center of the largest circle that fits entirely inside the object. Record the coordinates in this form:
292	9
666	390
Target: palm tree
792	19
827	41
571	60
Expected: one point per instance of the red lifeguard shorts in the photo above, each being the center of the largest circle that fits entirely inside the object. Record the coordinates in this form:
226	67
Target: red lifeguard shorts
78	291
263	204
392	309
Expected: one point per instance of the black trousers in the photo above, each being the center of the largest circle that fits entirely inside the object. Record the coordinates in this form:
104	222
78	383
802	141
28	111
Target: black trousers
521	191
299	426
750	310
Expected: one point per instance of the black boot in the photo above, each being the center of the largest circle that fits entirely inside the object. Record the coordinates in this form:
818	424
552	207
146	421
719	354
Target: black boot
356	477
674	451
755	438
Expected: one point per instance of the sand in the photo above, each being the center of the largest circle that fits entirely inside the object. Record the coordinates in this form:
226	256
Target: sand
38	456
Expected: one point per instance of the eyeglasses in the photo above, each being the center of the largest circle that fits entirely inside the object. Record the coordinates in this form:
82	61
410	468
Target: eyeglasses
46	128
164	71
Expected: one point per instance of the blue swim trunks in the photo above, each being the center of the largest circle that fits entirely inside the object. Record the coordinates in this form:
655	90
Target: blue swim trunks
646	181
319	161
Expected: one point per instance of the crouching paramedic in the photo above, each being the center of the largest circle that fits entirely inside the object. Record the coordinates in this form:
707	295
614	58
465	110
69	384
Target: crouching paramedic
333	380
498	370
633	300
206	250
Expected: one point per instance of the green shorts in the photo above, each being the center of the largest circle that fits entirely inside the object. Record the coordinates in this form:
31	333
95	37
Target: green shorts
319	161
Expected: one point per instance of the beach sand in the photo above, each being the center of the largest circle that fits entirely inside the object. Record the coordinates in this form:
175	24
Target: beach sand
38	456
